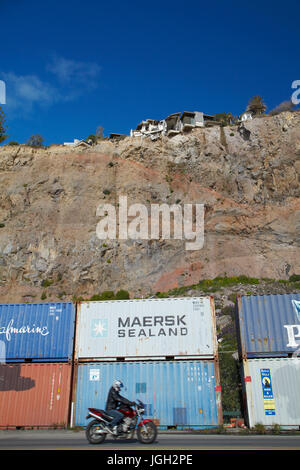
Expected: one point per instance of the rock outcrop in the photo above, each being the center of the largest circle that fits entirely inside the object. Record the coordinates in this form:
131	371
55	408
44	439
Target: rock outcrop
247	177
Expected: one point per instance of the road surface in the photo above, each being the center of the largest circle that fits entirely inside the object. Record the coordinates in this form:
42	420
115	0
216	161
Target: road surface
71	440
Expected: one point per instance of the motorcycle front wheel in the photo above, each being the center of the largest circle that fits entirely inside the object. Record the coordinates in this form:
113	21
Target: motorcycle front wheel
146	433
91	432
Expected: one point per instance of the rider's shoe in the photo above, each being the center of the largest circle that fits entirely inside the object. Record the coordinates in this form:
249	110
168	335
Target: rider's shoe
114	430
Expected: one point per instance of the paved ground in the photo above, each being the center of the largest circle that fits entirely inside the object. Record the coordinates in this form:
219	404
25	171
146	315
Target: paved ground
71	440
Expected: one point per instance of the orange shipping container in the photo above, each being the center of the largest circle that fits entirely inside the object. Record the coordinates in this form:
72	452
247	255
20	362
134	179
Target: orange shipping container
35	395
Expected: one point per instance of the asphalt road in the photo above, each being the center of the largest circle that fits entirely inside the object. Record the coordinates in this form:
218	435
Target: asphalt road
71	440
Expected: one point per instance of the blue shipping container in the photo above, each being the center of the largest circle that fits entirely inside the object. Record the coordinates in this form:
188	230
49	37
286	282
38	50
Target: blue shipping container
176	393
37	332
268	325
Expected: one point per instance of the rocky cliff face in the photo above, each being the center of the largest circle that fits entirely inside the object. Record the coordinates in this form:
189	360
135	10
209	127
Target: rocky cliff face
247	178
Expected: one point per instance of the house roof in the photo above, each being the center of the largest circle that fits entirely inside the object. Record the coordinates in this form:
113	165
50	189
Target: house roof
188	113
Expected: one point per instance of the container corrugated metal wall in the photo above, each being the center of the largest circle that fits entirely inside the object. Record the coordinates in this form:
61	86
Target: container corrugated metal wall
272	388
269	325
176	393
146	328
35	394
39	332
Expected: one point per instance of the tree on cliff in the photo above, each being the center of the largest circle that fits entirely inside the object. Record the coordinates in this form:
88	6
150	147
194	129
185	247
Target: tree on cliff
284	106
224	119
3	127
256	105
35	141
99	132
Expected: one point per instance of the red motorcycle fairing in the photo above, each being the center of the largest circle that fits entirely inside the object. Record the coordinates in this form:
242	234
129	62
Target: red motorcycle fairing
99	414
145	421
96	411
127	412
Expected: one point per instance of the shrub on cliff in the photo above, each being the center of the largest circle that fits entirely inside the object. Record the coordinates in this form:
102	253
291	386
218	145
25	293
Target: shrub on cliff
122	295
35	141
256	105
3	135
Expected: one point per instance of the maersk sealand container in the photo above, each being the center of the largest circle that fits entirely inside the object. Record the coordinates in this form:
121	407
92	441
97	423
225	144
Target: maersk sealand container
146	328
37	332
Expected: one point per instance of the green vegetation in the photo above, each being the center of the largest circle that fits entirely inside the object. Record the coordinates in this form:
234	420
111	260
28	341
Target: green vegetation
229	367
162	295
209	286
3	126
109	295
213	285
106	295
256	105
47	282
35	140
224	119
259	429
230	380
122	295
92	137
294	278
275	429
223	137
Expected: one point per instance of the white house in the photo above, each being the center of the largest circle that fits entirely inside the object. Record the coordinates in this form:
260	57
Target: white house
77	143
151	128
246	116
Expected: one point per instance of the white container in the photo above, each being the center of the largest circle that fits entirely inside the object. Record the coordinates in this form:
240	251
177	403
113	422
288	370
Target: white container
272	388
147	328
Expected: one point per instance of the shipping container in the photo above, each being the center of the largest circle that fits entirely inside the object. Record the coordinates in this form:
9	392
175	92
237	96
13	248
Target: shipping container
37	332
175	393
35	395
146	328
272	391
268	325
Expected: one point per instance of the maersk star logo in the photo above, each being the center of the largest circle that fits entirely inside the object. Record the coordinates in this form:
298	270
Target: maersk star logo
99	328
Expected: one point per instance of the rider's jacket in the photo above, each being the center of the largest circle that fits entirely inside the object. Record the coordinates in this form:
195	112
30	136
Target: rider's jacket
114	399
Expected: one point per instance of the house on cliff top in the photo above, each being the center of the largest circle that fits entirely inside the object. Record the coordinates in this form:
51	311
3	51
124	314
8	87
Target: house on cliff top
171	125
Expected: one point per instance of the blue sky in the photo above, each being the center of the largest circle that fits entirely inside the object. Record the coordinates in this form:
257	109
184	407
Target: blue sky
70	67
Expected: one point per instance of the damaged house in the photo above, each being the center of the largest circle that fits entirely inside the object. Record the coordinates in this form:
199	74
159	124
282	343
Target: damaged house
171	125
151	128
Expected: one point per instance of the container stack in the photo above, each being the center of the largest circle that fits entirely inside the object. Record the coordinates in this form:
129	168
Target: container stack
163	350
36	345
269	347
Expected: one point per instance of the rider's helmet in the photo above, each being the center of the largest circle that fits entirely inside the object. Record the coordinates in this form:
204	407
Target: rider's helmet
117	385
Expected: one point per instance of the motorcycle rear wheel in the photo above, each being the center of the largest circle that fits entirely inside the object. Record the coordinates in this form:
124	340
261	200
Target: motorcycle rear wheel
91	435
147	433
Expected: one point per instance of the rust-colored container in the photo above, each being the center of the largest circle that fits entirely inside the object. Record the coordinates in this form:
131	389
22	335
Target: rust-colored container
35	395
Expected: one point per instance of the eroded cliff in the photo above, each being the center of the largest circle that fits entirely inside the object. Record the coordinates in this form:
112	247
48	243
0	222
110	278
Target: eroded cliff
247	178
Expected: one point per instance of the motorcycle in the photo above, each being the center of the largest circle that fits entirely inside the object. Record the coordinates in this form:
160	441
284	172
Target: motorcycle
98	428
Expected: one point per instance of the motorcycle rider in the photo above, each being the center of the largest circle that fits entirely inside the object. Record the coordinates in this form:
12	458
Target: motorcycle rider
114	399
